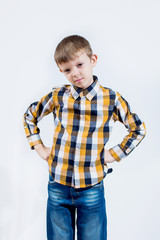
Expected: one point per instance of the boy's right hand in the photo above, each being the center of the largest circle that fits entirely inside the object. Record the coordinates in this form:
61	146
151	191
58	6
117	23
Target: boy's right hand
108	157
42	151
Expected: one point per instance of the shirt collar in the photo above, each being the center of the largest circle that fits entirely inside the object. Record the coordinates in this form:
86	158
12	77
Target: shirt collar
89	92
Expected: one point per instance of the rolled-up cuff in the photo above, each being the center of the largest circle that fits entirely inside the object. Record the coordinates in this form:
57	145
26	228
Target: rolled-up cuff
117	153
34	140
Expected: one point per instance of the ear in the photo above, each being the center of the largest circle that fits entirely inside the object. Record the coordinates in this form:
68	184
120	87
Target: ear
94	60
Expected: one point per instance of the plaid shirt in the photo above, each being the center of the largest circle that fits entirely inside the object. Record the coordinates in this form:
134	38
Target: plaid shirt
83	121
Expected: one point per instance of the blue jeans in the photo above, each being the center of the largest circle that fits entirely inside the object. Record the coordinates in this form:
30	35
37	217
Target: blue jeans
91	212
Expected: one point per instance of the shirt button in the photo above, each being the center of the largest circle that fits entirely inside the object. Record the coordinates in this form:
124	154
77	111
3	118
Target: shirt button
77	148
81	94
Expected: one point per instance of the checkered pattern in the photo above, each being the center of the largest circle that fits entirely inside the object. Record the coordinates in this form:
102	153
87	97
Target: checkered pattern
83	122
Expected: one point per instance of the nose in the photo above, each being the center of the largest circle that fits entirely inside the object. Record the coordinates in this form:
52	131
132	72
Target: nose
75	72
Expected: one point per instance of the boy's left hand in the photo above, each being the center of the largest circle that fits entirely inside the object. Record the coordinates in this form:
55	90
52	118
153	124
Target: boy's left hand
108	157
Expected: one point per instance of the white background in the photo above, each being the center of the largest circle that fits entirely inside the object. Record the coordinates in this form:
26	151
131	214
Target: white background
125	35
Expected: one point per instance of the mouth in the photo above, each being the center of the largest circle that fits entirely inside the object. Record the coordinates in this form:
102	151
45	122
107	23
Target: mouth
78	80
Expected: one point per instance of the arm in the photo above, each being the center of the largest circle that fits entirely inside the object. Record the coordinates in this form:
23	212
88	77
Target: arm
42	151
32	116
134	125
108	157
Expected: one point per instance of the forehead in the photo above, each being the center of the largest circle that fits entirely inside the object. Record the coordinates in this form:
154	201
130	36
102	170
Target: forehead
80	56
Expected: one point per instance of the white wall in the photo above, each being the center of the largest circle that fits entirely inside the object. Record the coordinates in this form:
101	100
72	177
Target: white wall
125	35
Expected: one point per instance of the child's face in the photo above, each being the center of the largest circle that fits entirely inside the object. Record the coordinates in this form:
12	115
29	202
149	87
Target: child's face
79	71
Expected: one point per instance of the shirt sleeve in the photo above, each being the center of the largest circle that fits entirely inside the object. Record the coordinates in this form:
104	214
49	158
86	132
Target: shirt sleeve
134	125
33	115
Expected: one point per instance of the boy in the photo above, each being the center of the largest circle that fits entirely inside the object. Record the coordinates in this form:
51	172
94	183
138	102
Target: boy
84	114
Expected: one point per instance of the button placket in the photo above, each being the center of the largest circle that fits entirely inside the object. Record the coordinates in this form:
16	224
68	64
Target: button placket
82	99
79	137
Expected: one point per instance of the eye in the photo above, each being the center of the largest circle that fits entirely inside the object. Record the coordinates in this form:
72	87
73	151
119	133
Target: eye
67	70
80	64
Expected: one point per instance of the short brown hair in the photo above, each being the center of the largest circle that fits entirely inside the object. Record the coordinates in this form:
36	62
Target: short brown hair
68	48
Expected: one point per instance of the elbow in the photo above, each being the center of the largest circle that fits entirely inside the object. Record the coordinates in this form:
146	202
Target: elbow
144	129
141	132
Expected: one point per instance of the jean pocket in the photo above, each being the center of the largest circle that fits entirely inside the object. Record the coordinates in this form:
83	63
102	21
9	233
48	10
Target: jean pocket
51	181
99	185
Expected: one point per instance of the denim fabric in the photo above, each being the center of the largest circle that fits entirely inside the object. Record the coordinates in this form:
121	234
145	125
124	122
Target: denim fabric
91	212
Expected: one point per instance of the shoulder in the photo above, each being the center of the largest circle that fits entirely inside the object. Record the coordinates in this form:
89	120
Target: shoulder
61	88
113	95
108	91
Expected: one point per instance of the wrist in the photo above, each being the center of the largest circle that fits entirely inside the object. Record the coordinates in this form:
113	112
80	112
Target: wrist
38	146
108	157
